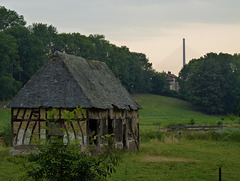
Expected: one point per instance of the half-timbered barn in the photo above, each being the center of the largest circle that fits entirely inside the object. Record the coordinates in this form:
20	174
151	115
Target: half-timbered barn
64	83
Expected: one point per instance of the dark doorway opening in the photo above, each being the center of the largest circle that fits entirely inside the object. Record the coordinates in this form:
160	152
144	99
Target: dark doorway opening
110	126
93	131
124	136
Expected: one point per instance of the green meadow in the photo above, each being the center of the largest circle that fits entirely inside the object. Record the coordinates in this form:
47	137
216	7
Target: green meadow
162	156
171	111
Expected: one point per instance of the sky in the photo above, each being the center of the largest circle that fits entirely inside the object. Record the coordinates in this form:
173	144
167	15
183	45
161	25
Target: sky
153	27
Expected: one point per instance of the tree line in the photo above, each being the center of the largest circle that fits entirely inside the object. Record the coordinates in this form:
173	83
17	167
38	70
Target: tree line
23	50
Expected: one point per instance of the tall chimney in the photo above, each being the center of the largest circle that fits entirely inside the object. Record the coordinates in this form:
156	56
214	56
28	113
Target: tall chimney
184	56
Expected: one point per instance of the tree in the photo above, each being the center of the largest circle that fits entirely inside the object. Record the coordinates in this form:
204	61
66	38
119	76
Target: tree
9	65
160	84
9	18
31	52
46	34
210	82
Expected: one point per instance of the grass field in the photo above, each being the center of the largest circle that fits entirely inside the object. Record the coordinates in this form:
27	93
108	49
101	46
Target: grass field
163	159
189	160
167	111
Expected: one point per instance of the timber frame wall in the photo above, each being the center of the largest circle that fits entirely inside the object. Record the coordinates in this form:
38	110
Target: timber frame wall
28	126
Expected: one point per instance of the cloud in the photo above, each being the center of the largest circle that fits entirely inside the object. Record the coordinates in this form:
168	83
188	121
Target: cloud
135	16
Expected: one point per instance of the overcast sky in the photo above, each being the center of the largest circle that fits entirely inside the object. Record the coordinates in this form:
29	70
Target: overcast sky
153	27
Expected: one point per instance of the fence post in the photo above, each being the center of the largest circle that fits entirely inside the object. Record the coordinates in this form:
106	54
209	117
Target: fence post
220	174
179	136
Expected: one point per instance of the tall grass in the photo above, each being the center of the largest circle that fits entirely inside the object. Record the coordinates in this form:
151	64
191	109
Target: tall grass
228	135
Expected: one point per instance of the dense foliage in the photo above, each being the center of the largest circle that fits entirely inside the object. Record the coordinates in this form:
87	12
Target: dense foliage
23	50
212	82
56	160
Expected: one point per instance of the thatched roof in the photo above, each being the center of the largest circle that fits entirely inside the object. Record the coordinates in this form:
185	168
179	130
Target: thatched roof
67	81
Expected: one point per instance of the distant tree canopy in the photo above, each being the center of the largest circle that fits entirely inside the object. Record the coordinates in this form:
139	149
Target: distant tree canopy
212	82
23	50
10	18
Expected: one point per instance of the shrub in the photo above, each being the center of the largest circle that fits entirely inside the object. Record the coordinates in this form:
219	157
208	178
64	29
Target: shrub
222	118
192	122
219	123
6	134
58	161
231	117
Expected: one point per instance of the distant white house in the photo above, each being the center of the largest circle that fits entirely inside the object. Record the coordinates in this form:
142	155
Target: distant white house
172	79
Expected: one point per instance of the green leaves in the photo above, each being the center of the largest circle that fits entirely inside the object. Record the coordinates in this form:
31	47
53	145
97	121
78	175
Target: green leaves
58	161
10	18
23	50
210	82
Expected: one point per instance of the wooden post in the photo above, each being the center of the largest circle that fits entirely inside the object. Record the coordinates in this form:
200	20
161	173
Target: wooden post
220	174
11	127
87	126
179	136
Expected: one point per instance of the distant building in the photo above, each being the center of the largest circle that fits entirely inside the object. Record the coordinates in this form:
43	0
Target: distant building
172	79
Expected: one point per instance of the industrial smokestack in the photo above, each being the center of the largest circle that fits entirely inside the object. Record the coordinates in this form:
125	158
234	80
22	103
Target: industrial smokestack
184	55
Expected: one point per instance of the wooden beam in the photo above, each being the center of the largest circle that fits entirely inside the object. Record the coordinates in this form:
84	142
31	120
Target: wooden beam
12	127
73	131
34	126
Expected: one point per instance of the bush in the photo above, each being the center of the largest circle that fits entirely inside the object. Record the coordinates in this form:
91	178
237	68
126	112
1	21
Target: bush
58	161
6	134
231	117
191	122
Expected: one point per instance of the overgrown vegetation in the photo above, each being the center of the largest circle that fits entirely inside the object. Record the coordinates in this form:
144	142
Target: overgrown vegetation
56	160
5	134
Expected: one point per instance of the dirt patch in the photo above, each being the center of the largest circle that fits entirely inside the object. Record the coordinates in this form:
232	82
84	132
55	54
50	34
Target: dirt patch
164	159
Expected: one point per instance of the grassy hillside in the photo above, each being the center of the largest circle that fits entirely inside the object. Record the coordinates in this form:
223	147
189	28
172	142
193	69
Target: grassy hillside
167	110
